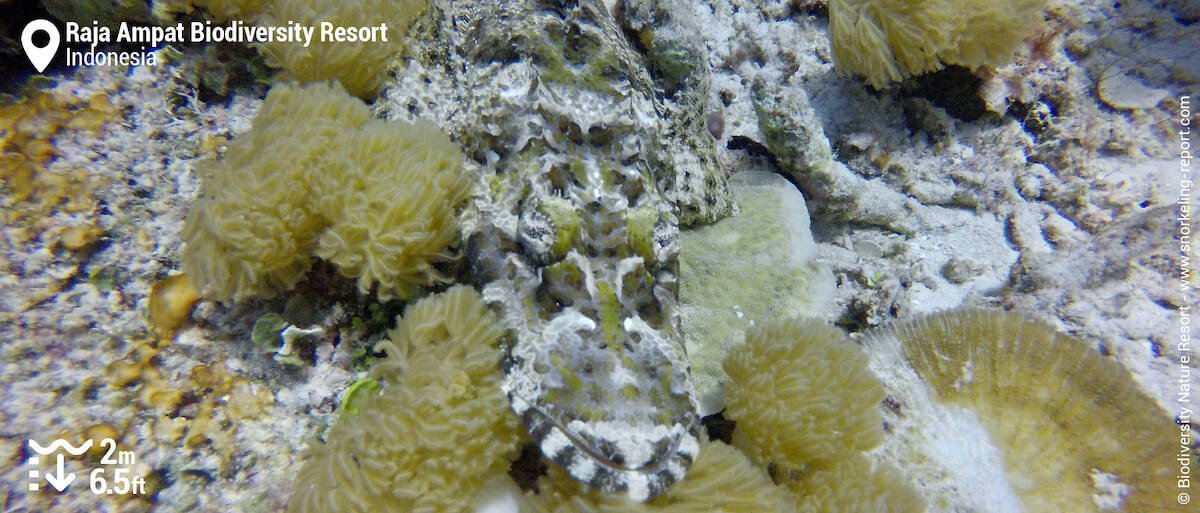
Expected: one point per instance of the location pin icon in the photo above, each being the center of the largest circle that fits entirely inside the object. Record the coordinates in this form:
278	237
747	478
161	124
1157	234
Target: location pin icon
40	57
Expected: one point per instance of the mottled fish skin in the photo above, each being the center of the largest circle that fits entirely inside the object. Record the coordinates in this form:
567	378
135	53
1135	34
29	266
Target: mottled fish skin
572	234
597	370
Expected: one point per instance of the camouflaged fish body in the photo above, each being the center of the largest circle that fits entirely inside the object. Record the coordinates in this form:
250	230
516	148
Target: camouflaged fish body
573	231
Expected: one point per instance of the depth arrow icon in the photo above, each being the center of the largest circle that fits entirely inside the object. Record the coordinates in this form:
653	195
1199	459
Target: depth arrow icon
60	482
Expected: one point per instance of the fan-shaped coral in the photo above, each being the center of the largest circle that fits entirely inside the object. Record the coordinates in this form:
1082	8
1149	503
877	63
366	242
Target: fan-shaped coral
1065	417
438	431
890	40
801	395
314	175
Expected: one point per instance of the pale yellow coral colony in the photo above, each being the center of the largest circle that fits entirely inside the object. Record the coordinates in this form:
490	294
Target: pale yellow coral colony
439	430
886	41
359	67
316	175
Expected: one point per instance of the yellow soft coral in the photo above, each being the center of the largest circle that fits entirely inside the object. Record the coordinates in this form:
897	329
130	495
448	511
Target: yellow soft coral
852	484
889	40
440	429
801	394
391	198
452	330
359	66
316	176
253	228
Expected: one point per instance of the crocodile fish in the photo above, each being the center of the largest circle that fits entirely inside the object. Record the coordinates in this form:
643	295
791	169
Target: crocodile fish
585	172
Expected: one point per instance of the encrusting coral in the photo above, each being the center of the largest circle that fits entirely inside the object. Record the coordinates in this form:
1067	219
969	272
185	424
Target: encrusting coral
169	303
1076	431
436	433
29	128
315	175
801	395
889	40
206	411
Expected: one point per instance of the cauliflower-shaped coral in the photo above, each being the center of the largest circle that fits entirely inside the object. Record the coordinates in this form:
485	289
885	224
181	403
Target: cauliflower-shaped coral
314	175
439	430
890	40
801	395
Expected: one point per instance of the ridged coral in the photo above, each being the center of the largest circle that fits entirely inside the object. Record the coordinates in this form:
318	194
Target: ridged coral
890	40
801	395
1064	415
440	429
721	479
359	66
313	176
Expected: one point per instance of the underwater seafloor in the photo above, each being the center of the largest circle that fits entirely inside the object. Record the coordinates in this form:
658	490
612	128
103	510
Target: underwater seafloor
1050	187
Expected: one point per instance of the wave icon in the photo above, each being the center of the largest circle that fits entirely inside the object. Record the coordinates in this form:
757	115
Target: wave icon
60	444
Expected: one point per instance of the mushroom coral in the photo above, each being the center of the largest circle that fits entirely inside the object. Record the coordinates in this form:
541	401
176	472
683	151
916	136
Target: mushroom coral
1076	432
316	176
437	432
